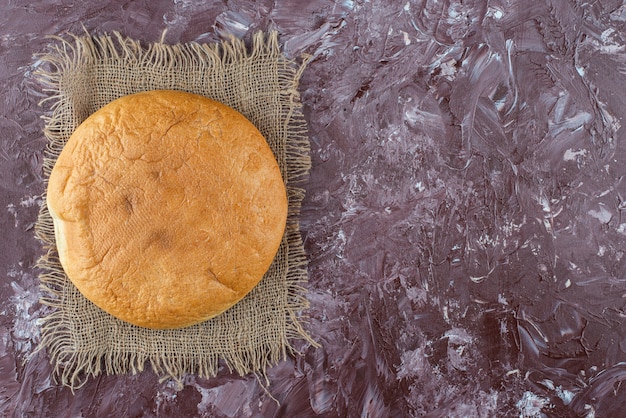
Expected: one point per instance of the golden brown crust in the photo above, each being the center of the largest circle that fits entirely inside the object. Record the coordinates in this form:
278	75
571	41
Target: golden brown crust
168	208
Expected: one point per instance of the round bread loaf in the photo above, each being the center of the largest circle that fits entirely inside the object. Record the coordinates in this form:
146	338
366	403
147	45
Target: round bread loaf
168	208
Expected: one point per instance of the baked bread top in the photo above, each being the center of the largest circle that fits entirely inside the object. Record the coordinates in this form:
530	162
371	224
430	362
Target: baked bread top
168	208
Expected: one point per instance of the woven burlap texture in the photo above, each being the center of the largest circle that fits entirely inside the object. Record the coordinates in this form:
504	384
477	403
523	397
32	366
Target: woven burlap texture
83	73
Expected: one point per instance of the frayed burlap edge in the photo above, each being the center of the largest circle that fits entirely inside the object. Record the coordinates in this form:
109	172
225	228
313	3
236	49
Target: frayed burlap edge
72	368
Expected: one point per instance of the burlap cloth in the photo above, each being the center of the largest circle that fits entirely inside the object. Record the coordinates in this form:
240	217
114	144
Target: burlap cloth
82	74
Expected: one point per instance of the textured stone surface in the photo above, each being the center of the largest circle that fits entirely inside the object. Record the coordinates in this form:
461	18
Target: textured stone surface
463	218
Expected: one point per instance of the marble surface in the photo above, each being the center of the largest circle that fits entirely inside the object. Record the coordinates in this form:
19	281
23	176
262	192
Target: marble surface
463	219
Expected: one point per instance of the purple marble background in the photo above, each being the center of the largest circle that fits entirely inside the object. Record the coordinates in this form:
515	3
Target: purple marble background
463	218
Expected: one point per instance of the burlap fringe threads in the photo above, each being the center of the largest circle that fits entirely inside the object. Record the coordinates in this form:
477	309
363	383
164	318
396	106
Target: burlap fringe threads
70	60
